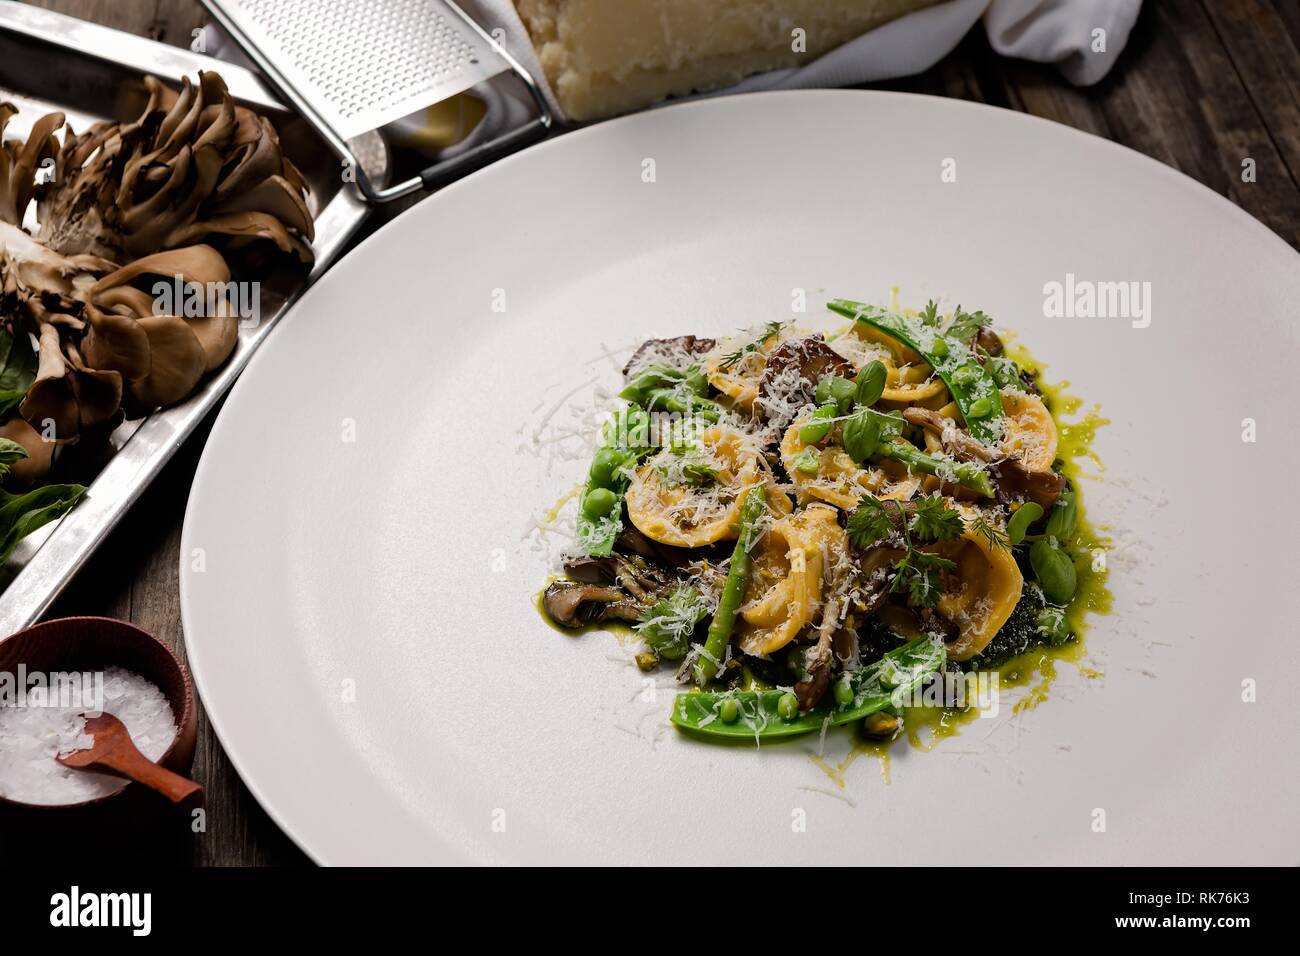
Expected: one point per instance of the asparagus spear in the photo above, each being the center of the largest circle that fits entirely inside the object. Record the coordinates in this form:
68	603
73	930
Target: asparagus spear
733	591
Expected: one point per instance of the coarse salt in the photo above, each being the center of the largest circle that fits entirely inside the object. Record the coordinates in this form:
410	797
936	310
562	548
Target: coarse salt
32	735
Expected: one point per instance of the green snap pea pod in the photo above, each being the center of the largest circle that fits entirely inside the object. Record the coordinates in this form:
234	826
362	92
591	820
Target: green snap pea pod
624	440
882	685
971	385
753	713
654	377
683	402
724	618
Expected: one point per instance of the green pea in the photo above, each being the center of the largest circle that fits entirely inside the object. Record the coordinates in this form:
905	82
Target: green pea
1051	623
966	375
728	710
1064	517
820	426
939	348
807	462
598	502
1054	570
843	692
980	408
861	435
604	467
787	708
871	383
1020	521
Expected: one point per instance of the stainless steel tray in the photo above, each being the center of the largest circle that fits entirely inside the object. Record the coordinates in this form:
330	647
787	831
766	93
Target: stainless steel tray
53	62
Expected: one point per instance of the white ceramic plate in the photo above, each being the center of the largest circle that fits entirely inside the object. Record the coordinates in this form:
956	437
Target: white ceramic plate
363	632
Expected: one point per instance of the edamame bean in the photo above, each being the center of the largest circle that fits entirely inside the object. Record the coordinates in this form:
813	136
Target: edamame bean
1021	519
820	426
807	462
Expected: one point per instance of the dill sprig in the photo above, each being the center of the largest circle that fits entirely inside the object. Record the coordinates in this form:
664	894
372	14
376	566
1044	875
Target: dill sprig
770	331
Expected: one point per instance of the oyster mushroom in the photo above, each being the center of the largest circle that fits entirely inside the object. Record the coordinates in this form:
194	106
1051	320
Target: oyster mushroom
166	196
576	604
671	351
193	167
810	356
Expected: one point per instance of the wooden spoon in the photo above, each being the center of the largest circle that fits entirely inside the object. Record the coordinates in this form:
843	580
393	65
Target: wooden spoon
113	751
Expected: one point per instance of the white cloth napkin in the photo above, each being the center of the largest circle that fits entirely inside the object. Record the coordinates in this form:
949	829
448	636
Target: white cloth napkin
1046	31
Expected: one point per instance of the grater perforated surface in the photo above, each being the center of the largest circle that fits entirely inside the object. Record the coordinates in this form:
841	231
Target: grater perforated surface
364	63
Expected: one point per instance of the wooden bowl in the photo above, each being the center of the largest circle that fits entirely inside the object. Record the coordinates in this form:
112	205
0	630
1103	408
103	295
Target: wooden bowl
94	643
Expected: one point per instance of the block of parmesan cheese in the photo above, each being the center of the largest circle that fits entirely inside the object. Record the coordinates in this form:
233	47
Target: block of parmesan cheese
609	56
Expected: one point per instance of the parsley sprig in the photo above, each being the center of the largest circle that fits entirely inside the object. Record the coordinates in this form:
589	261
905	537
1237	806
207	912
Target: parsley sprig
928	520
770	331
966	325
963	326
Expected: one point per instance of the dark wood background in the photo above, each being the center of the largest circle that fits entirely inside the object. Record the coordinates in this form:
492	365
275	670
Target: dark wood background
1203	85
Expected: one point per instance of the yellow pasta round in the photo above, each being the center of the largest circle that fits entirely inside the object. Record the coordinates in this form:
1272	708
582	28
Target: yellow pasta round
684	516
839	480
740	380
987	588
1031	432
784	592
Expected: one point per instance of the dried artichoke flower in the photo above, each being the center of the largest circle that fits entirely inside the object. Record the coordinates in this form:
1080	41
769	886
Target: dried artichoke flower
156	198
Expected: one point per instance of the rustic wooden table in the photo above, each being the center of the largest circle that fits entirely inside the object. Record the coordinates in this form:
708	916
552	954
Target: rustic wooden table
1202	86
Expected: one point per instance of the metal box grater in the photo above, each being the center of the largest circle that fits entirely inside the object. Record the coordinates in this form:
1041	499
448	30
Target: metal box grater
352	66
